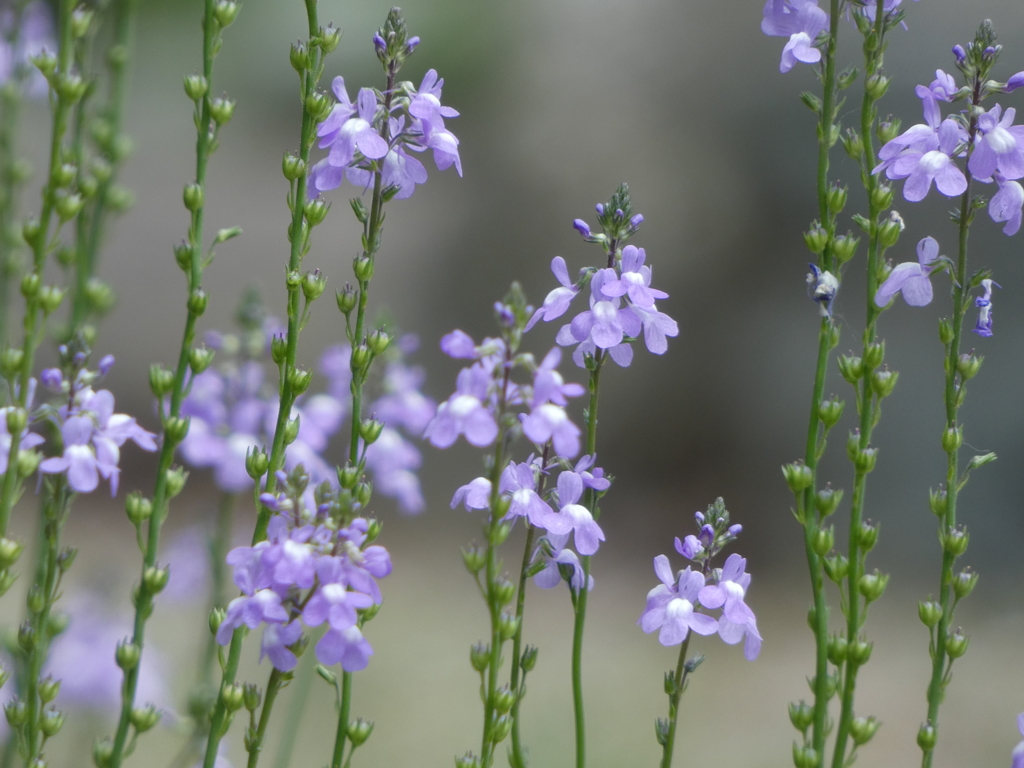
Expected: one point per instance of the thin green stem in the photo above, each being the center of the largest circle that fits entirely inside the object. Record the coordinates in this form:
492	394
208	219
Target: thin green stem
255	745
518	756
679	683
343	713
299	696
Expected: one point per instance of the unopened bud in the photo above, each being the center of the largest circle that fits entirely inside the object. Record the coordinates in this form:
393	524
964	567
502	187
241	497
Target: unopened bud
508	625
217	616
293	167
816	239
480	656
127	655
955	541
144	718
845	247
176	428
836	198
299	57
222	110
836	568
851	367
830	412
867	536
161	380
316	211
175	479
48	689
360	357
945	331
193	197
937	501
823	541
299	380
378	341
837	648
964	583
155	579
257	462
278	349
926	737
252	696
102	751
359	731
883	382
475	559
291	430
226	11
233	696
798	476
347	299
872	585
801	715
10	551
863	729
968	365
929	612
313	284
956	645
529	660
138	508
860	651
196	87
370	430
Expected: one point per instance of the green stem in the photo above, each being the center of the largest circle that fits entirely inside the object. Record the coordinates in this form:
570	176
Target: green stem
255	746
518	757
343	712
303	681
673	703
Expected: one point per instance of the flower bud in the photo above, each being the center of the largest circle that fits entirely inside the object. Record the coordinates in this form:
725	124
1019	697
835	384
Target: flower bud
257	462
315	211
876	86
504	591
233	696
863	729
851	367
176	428
16	712
313	284
952	439
508	625
175	479
28	463
872	585
63	175
937	501
956	645
57	623
360	357
480	656
127	655
837	649
844	247
346	299
17	420
10	551
50	298
197	301
945	331
48	688
222	110
363	492
199	359
251	696
299	57
183	256
883	382
27	633
299	380
318	106
499	533
926	737
823	541
804	757
70	87
889	233
138	508
889	129
816	239
860	652
226	11
836	198
161	380
370	429
874	355
929	612
469	760
475	559
359	731
836	568
964	583
881	197
865	460
278	349
45	62
144	718
853	144
193	197
529	660
217	616
378	341
10	362
363	268
155	579
293	167
830	412
196	87
291	431
954	541
501	727
827	500
30	285
968	365
867	536
798	476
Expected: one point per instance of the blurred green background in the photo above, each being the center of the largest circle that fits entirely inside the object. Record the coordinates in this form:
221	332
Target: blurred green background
561	100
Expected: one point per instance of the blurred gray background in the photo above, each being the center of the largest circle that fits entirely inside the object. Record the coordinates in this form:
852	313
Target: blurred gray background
561	100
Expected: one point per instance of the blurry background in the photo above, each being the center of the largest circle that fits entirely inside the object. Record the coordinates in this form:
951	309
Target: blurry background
561	100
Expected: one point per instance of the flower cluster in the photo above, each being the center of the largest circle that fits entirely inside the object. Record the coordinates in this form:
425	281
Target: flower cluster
317	565
233	410
91	432
622	301
383	131
674	607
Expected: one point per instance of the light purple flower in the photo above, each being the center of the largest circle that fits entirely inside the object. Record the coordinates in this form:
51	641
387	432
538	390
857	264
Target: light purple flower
357	134
634	280
465	412
459	345
328	130
393	460
400	169
336	605
670	605
737	621
520	481
1000	145
347	646
551	422
1006	204
575	517
83	463
26	441
594	479
1015	82
922	157
942	88
262	607
276	639
911	279
690	547
984	304
551	575
799	20
657	327
1018	752
557	301
476	494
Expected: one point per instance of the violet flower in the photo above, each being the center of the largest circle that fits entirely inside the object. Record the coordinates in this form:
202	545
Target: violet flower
799	20
476	494
26	440
556	303
466	412
560	555
347	646
999	147
551	422
575	517
671	605
275	642
925	158
634	280
823	287
520	481
942	88
911	279
1006	204
737	620
984	304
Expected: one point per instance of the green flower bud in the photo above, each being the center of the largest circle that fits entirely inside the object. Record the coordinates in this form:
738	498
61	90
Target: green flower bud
30	285
853	144
68	206
102	751
945	331
876	86
291	430
315	211
57	623
16	712
66	558
71	87
35	599
508	625
836	568
830	411
954	541
359	210
872	585
889	233
10	362
529	660
217	616
144	718
318	106
836	198
929	612
199	359
299	57
816	239
64	174
475	559
883	382
155	579
882	197
10	551
373	530
359	731
183	255
329	38
837	648
867	536
50	298
45	62
499	534
293	167
175	479
501	727
827	500
804	757
968	365
196	87
127	655
851	367
226	11
865	460
379	341
937	501
504	698
469	760
221	109
347	299
964	583
17	420
48	689
480	656
313	284
956	645
860	651
233	696
889	129
257	462
252	695
360	357
348	476
863	729
823	541
138	507
801	715
100	295
88	186
845	247
197	301
363	268
874	355
370	429
176	428
798	476
952	439
81	19
926	737
504	591
27	636
278	349
161	380
193	197
831	685
7	579
299	380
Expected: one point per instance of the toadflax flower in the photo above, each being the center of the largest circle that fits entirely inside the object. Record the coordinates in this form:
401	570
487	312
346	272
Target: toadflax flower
671	605
575	517
910	278
984	304
823	287
737	620
1000	145
556	556
799	20
1006	204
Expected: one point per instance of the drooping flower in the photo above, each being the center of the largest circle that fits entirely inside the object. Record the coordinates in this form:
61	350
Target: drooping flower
671	605
558	300
799	20
910	278
942	88
560	556
984	304
476	494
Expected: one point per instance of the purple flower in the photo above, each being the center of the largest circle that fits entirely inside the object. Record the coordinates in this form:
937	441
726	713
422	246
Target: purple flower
1018	751
393	460
1000	145
465	412
276	639
984	304
83	463
551	422
595	479
548	384
575	517
357	134
942	88
823	287
400	169
580	226
560	555
557	301
520	481
336	605
923	155
476	494
737	620
262	607
425	107
911	279
1006	204
1015	82
459	345
328	130
690	547
26	441
347	646
799	20
634	280
670	605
